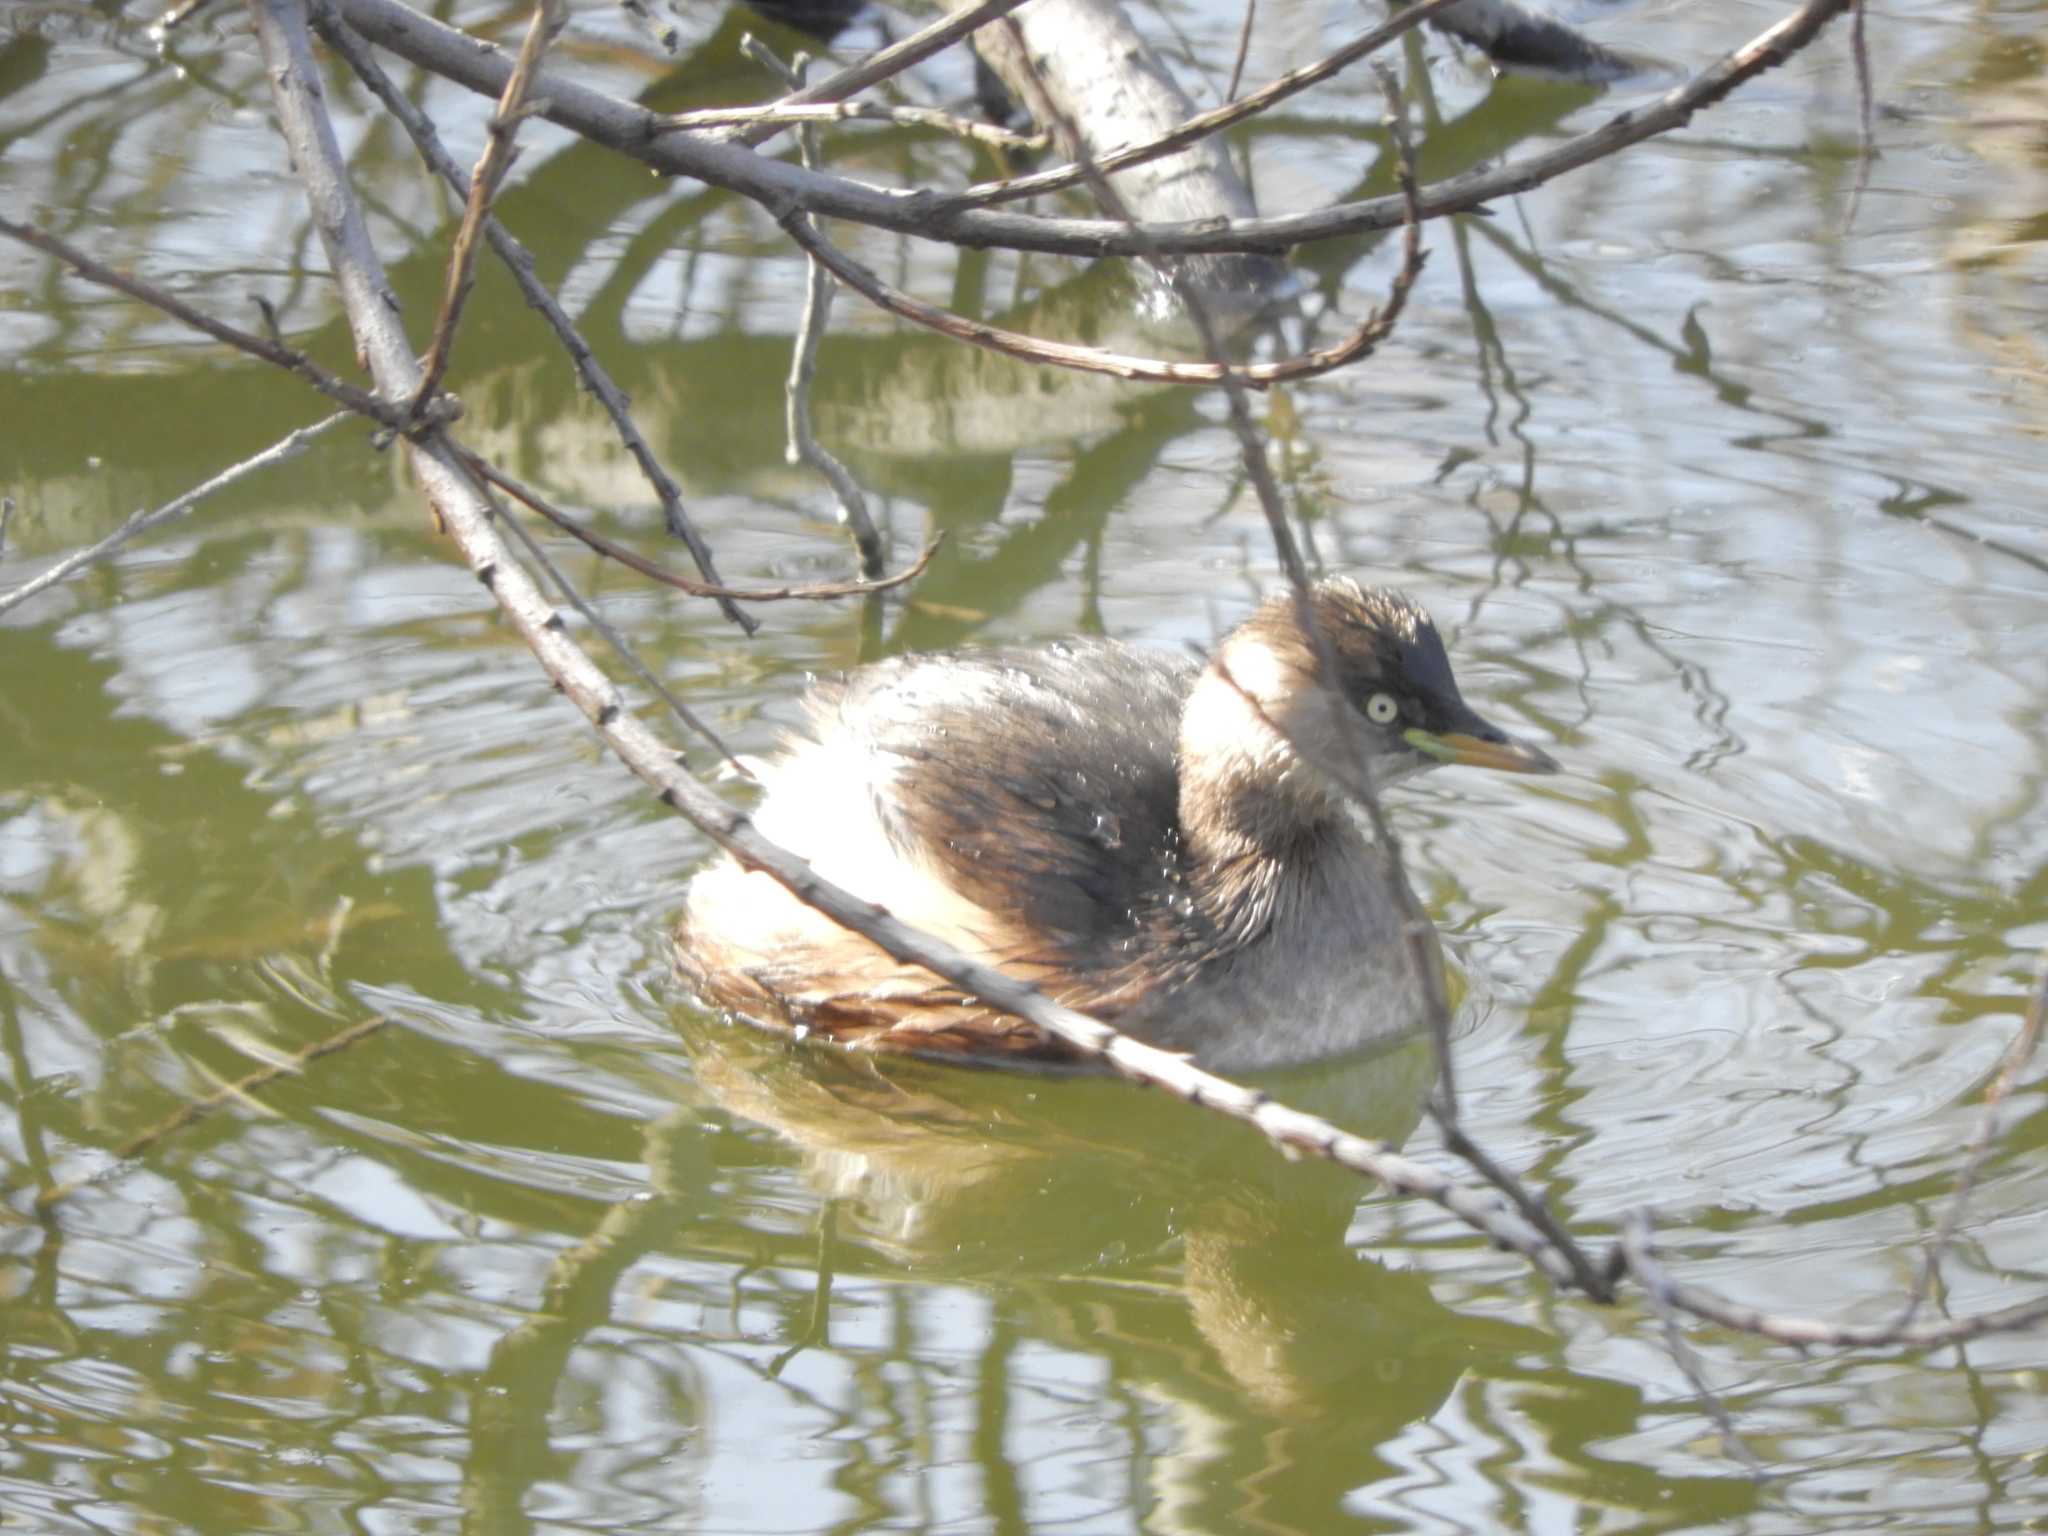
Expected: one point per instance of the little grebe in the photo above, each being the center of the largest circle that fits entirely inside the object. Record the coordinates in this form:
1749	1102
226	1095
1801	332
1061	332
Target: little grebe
1157	842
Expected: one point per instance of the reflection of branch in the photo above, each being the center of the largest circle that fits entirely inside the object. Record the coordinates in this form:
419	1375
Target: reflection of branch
1866	148
519	262
549	17
227	1093
140	522
817	1330
597	621
780	187
1513	33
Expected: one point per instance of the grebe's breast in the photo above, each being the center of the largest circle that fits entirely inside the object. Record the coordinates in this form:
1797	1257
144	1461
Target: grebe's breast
1326	974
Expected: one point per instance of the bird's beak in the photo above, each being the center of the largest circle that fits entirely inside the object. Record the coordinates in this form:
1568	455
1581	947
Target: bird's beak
1482	746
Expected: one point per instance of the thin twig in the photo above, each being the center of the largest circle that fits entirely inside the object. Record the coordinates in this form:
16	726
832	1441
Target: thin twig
1596	1280
795	115
227	1093
142	522
804	447
288	358
809	592
1244	48
1640	1260
519	262
479	479
1199	127
1866	138
882	64
500	149
1122	365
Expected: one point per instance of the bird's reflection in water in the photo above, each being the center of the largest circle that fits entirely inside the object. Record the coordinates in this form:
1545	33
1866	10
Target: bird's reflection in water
1208	1274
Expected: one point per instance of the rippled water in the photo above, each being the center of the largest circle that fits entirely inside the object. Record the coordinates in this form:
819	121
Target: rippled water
1732	501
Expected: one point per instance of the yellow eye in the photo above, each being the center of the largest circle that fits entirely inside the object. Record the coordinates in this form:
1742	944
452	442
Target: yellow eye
1381	709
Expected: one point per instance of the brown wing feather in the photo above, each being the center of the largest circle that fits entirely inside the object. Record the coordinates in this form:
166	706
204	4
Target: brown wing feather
1038	789
1042	783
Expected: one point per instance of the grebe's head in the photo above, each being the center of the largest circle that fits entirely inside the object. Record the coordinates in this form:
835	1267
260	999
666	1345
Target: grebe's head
1263	712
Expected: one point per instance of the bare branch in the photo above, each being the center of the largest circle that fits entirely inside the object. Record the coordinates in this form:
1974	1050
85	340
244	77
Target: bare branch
814	592
804	447
288	358
781	187
882	64
519	261
781	114
1808	1332
141	522
1123	365
1866	137
549	17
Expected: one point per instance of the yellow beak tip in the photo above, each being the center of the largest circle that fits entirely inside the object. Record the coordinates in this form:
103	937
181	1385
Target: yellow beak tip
1503	756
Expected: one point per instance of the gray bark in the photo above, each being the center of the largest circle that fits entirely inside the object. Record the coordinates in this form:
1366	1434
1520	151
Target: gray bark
1089	79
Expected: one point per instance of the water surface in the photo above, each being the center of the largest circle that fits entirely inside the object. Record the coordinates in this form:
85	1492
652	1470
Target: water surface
1729	499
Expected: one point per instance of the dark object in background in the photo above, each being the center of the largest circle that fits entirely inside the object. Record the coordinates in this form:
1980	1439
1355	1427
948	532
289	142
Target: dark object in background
822	19
997	104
